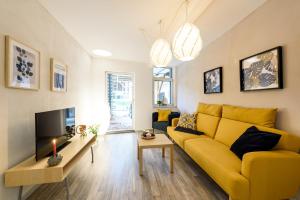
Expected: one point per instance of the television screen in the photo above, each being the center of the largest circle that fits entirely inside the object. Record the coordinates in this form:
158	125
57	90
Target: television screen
56	124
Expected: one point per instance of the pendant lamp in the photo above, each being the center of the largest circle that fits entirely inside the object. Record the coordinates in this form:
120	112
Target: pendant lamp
161	54
187	42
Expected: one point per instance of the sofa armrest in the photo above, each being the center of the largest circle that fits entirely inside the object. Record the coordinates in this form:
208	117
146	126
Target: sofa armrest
154	116
272	174
172	116
175	122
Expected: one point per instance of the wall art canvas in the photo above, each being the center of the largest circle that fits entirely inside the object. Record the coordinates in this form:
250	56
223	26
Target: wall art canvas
262	71
213	81
22	65
58	76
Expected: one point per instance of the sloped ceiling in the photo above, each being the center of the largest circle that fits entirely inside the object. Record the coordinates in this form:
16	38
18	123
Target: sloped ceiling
116	25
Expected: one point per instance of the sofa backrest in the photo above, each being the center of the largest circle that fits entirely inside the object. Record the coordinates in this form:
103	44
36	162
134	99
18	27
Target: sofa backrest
230	130
259	116
236	120
208	118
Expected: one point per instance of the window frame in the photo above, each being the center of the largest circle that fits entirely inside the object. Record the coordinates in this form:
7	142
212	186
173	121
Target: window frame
172	80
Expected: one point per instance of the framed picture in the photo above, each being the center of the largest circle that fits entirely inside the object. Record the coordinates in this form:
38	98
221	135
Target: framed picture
22	65
58	76
213	81
262	71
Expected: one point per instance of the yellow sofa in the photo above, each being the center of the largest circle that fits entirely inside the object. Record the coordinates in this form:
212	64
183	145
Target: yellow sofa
265	175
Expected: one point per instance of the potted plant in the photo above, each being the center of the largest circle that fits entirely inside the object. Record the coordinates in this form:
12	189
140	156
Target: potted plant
159	103
94	129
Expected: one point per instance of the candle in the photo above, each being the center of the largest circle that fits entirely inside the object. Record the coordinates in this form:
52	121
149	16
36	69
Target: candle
54	147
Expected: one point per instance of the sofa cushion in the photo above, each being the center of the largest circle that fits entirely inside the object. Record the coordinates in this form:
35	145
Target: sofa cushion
179	137
188	130
207	124
210	109
230	130
254	139
163	115
258	116
187	120
221	164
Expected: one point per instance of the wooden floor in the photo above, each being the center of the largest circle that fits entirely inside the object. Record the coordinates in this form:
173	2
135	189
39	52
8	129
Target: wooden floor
114	175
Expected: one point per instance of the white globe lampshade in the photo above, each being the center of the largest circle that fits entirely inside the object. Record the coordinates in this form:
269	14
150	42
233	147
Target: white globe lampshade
187	42
161	54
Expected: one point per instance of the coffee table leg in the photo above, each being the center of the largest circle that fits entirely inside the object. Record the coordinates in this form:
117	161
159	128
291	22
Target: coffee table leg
140	160
163	152
172	158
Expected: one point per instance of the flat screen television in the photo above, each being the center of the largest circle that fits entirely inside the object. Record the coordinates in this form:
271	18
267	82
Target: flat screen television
56	124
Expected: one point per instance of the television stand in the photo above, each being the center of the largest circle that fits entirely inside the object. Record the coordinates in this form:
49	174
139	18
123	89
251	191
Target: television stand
32	172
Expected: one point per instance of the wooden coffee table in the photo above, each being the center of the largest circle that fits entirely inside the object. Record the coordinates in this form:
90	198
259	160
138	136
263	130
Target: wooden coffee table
160	141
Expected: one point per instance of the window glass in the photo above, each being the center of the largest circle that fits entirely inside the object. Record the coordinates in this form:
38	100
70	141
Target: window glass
162	86
162	92
162	72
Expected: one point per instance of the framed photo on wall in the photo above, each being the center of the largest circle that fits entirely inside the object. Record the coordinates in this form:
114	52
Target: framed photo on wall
22	65
262	71
213	82
58	76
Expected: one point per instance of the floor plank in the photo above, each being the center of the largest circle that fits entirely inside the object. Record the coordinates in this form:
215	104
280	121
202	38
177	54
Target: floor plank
114	175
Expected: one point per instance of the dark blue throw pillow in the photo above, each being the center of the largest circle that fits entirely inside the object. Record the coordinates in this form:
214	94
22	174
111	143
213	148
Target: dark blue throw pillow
254	140
188	130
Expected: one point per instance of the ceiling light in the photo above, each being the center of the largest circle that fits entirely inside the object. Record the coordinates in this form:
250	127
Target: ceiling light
102	53
187	42
161	54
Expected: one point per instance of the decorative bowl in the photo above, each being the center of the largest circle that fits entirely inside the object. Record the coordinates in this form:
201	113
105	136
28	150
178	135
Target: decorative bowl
147	135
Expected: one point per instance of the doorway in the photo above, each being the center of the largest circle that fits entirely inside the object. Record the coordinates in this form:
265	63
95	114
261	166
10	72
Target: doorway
119	94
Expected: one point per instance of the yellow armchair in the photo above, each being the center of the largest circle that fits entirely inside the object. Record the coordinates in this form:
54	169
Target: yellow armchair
272	175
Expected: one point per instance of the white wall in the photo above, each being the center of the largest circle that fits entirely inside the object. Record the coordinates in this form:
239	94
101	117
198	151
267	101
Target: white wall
274	23
143	88
30	23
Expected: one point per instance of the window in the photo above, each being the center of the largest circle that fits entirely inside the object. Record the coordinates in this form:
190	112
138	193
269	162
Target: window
163	84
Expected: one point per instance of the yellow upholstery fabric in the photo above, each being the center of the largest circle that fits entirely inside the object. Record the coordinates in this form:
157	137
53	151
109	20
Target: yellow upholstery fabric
273	175
210	109
208	118
180	137
207	124
163	115
230	130
221	165
175	121
259	116
265	175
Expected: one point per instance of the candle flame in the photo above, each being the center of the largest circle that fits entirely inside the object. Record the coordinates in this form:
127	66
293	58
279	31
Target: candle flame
54	141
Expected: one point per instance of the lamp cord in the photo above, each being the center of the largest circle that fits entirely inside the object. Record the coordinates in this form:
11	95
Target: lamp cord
146	37
162	32
160	27
186	10
175	15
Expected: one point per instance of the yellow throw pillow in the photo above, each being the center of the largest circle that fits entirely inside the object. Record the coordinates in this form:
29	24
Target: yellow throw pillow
163	115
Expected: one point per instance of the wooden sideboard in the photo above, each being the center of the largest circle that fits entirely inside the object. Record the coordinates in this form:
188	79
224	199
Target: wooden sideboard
31	172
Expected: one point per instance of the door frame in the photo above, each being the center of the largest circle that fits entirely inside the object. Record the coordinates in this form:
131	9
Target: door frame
132	74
